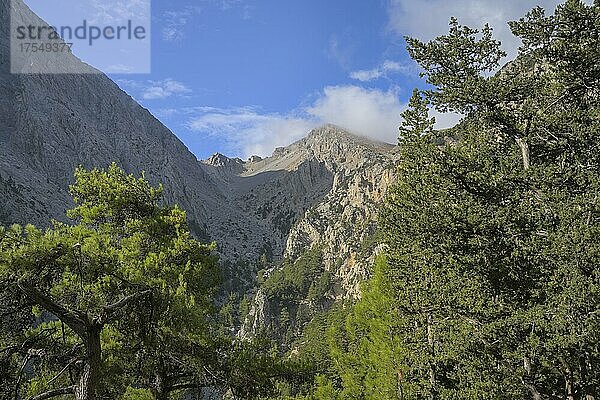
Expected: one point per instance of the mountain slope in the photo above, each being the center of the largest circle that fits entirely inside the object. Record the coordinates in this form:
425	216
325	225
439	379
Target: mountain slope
279	195
330	247
50	124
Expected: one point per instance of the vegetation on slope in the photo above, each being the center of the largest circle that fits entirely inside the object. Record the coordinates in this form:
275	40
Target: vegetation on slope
118	303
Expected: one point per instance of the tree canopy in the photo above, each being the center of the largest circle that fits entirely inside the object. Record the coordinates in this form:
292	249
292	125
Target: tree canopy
487	287
125	288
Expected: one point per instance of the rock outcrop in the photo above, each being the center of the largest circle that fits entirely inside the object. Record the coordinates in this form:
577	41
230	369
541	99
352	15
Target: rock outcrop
341	223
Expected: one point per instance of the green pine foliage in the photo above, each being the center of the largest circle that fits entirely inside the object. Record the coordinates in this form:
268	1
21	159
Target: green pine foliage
123	290
299	291
488	286
293	281
416	121
122	304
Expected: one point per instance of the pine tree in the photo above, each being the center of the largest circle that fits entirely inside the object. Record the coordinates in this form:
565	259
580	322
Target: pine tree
489	286
415	119
125	281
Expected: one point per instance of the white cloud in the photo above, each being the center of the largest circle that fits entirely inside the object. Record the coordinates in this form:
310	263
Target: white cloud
164	89
428	19
446	120
248	132
383	71
154	90
118	69
175	22
339	52
114	12
368	112
228	4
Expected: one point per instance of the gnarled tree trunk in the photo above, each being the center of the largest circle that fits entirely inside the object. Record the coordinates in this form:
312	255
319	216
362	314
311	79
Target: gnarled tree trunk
87	387
528	379
524	152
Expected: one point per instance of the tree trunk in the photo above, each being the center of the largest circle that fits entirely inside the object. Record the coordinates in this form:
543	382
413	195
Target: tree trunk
400	379
569	386
431	341
161	384
528	379
588	387
87	387
160	392
524	152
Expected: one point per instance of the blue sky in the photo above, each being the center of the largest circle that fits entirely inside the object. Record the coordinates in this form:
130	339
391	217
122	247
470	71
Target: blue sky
242	77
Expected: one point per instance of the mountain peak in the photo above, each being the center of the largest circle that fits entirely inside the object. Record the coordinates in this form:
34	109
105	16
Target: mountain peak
329	131
329	137
220	160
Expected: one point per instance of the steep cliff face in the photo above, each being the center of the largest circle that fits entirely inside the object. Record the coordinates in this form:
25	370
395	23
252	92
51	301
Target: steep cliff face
50	124
321	190
344	222
262	201
330	247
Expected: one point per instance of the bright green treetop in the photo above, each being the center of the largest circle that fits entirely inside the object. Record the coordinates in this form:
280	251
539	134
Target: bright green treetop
126	280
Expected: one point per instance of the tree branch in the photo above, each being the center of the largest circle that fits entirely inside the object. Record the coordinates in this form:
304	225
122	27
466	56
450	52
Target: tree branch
110	309
54	393
74	320
18	384
181	386
62	371
524	152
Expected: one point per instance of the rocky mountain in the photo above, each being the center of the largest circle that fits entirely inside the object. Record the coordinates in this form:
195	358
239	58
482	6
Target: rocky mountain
302	194
50	124
319	194
330	245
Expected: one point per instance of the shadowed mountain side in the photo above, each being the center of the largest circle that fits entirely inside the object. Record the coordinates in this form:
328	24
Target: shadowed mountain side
50	124
266	206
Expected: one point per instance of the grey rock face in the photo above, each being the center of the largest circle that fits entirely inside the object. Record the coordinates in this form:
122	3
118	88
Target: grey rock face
353	175
320	190
254	159
50	124
346	218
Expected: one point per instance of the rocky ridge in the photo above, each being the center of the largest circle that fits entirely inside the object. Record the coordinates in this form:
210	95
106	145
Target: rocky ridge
287	198
342	224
